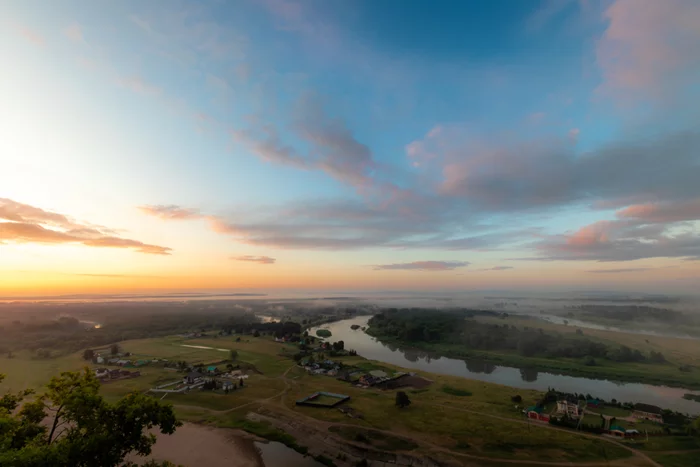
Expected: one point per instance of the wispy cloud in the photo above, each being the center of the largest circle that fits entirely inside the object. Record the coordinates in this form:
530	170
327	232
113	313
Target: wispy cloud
255	259
139	86
32	36
22	223
497	268
170	212
423	266
75	33
618	271
649	51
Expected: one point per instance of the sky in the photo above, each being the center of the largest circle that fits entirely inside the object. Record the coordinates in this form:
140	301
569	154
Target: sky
364	145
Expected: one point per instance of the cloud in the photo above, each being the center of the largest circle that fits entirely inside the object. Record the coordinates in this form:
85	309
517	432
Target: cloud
548	12
170	212
139	86
255	259
524	175
343	225
573	134
74	33
190	36
497	268
32	36
535	118
649	51
424	266
265	143
662	212
116	276
332	147
618	271
219	84
22	223
620	240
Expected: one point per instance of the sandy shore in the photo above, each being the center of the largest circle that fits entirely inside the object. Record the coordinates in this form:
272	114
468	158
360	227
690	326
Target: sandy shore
196	445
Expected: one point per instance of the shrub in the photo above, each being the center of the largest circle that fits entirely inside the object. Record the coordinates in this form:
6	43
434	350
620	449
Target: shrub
455	391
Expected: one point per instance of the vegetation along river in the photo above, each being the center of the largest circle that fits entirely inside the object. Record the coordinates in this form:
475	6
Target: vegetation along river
373	349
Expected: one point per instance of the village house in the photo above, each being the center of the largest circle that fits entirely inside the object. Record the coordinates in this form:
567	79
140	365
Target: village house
192	377
648	412
569	409
99	360
123	362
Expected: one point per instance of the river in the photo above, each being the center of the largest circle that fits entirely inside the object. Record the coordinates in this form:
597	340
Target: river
373	349
193	444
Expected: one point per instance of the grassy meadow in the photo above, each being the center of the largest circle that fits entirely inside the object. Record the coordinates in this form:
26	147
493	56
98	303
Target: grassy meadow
461	415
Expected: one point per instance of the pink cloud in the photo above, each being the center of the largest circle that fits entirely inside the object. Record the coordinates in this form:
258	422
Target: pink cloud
22	223
535	118
593	234
573	134
139	86
74	33
32	36
650	49
424	266
170	212
255	259
662	212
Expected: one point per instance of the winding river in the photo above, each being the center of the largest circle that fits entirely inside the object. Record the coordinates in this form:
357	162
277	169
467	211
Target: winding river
373	349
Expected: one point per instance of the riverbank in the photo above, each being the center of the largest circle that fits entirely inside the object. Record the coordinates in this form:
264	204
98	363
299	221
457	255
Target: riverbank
645	373
524	378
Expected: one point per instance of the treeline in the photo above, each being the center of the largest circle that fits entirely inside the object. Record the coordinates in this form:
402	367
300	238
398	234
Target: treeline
634	313
278	329
455	327
41	329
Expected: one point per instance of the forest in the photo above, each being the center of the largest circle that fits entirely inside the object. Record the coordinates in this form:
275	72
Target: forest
51	329
457	328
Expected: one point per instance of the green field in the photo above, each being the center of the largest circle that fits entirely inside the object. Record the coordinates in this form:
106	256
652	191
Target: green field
677	352
457	414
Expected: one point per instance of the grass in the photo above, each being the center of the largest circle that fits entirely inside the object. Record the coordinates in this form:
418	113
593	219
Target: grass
667	443
373	438
435	416
676	351
685	459
440	414
325	333
455	391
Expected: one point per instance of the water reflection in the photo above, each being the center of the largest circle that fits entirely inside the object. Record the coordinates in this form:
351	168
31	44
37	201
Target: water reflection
529	374
371	348
278	455
480	366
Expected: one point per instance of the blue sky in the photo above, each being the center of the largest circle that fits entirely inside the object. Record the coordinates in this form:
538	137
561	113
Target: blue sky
341	137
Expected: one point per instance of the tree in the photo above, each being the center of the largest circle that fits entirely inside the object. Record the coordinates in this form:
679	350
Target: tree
82	429
402	400
88	354
240	382
233	354
696	426
256	333
229	367
114	349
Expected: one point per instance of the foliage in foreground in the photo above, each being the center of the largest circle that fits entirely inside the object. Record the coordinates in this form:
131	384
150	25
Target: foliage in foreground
82	430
